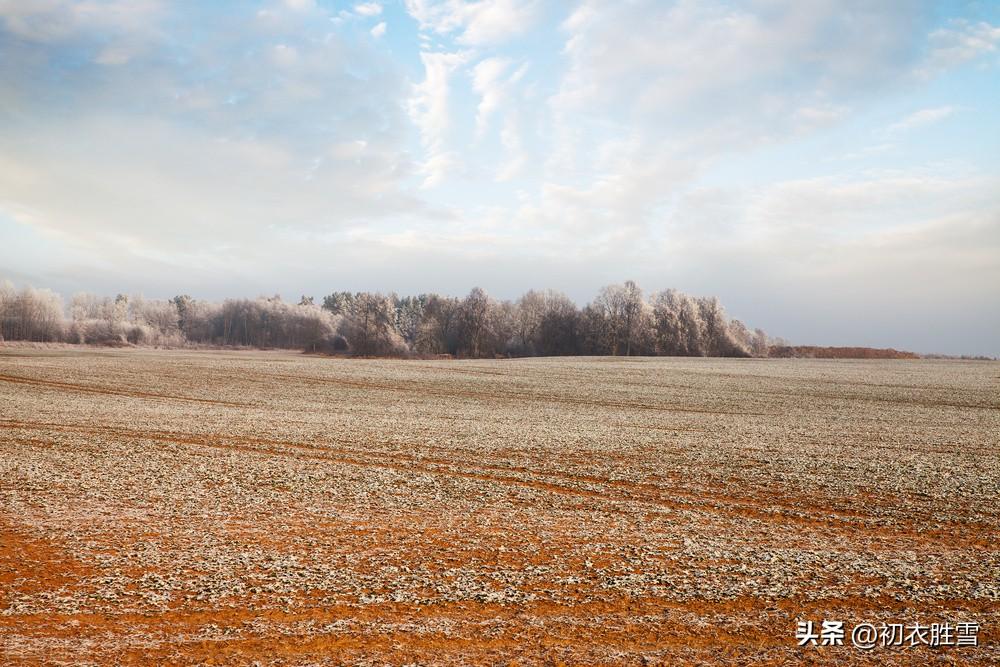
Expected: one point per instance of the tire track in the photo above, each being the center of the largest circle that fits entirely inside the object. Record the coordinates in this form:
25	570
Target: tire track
849	524
89	389
412	387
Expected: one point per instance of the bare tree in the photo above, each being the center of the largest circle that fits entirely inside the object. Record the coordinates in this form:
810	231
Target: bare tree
559	328
528	321
760	343
439	328
621	307
30	314
474	323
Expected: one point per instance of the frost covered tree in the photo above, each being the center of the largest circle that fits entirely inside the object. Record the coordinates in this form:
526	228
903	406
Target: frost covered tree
30	314
474	324
439	328
409	315
338	303
369	325
618	321
621	308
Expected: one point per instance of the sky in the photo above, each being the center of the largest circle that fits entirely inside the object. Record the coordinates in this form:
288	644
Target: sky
829	169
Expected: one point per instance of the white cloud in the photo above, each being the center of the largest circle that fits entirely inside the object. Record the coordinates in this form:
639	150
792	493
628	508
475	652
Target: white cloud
299	131
921	118
516	157
487	81
612	205
959	43
440	16
438	166
498	93
848	205
55	20
349	150
493	21
429	109
116	31
378	30
114	55
693	82
172	188
685	58
368	9
477	23
809	118
284	55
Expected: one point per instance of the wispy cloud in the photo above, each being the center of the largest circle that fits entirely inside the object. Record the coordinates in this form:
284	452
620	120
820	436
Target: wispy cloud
487	80
430	109
921	118
959	42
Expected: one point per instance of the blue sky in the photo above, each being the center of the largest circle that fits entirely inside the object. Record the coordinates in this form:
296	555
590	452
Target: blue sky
830	170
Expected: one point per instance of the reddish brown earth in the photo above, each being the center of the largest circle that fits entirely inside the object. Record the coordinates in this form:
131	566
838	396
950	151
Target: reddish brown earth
272	508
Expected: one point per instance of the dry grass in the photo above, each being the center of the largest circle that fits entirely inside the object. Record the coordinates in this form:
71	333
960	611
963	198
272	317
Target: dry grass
169	507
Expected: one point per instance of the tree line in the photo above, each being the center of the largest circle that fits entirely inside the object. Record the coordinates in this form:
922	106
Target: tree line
620	320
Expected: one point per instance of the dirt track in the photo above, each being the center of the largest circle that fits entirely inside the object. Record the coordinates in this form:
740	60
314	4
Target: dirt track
223	507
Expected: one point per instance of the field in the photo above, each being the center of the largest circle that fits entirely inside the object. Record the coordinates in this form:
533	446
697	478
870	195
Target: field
168	507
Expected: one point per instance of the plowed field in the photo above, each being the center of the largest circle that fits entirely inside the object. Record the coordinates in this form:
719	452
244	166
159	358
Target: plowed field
168	507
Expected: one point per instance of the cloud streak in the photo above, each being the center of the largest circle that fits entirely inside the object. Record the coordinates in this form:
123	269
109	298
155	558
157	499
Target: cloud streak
921	118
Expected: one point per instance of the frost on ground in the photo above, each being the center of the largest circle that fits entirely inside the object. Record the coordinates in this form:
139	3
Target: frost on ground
232	507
